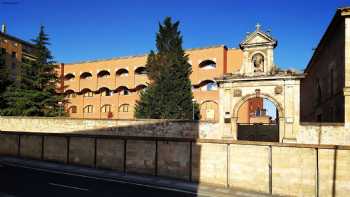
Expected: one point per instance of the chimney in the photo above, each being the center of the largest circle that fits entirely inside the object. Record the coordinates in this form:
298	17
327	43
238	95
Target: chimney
3	28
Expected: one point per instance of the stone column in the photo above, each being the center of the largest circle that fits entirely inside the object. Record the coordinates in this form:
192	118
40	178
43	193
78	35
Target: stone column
226	107
269	63
281	129
347	107
234	128
245	65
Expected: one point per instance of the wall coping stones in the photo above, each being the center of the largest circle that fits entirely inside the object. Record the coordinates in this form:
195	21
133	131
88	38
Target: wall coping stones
175	139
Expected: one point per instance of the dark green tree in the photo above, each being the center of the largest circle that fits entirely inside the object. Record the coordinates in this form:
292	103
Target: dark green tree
4	77
169	94
34	92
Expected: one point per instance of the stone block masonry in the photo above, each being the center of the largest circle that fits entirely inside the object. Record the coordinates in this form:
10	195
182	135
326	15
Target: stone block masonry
56	148
110	154
174	159
140	157
308	133
31	146
271	168
150	128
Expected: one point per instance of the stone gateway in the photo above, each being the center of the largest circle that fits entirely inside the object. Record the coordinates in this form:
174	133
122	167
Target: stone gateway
260	80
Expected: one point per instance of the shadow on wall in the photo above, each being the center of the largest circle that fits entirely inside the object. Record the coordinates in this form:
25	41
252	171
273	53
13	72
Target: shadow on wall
264	167
147	149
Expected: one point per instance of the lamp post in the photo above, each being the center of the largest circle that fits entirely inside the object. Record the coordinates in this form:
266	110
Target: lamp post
60	103
193	101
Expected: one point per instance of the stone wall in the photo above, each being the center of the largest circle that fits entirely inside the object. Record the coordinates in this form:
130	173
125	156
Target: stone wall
324	133
152	128
271	168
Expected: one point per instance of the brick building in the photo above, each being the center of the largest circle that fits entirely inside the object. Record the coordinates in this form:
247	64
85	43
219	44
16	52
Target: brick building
109	88
15	51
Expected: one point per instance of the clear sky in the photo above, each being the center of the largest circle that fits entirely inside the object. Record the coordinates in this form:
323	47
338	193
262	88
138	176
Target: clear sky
270	108
87	30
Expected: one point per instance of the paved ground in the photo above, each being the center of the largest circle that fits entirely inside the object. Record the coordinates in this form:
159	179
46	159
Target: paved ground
20	177
19	181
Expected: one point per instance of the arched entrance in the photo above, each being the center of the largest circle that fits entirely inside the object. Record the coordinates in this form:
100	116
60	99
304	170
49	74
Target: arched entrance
257	118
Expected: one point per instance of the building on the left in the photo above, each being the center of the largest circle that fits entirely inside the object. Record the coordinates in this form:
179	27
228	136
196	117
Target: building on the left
15	51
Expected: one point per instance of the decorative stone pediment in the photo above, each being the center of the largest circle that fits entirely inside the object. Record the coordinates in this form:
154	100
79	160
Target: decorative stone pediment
257	50
257	38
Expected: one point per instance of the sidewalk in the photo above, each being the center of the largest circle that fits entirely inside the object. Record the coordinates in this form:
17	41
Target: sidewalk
146	181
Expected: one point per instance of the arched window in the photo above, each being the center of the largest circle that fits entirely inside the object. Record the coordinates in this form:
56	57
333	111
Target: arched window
88	109
124	108
70	94
208	85
69	77
208	110
122	72
140	88
122	90
141	71
105	91
106	108
207	64
212	86
87	93
103	74
86	75
72	109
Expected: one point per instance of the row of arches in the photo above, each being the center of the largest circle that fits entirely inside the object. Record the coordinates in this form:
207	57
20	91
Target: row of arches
208	109
206	65
123	108
105	74
122	90
206	85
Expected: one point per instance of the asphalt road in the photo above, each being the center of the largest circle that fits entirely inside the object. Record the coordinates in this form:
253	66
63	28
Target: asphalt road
18	181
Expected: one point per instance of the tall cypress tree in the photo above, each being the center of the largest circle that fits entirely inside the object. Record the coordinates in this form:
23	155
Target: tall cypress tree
34	93
169	94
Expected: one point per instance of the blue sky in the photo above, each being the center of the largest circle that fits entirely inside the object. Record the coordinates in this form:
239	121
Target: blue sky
86	30
270	108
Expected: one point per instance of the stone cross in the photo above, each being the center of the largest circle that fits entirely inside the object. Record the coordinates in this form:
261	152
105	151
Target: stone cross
257	26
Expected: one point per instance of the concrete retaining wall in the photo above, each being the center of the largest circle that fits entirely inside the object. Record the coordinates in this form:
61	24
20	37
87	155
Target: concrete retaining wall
279	169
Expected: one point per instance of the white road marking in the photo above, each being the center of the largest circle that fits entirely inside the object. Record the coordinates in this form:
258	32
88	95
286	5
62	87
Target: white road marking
69	187
109	179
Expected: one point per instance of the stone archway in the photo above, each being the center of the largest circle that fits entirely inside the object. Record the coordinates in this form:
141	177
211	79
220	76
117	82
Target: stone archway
279	123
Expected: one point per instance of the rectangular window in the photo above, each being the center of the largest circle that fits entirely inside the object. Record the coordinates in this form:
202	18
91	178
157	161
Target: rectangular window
13	54
89	94
124	92
71	95
125	108
106	108
88	109
107	93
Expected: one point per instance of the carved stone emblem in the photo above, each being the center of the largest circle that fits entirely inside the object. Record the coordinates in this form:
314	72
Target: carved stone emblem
257	92
278	89
237	92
